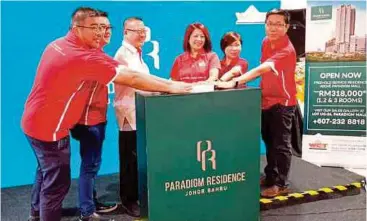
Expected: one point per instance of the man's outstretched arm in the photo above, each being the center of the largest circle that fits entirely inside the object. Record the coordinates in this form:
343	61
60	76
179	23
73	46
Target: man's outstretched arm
148	82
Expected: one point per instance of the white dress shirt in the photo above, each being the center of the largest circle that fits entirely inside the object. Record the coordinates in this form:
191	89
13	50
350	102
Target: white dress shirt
124	102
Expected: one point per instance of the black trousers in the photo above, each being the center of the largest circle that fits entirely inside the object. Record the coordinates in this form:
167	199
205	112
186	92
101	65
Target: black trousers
276	130
297	132
128	167
52	181
91	142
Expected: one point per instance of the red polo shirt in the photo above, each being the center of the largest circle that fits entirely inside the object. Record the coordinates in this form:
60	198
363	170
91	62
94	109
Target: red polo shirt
96	108
236	62
62	86
278	86
189	69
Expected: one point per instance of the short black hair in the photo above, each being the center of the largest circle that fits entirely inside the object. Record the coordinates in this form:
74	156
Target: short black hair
103	14
131	19
81	13
282	12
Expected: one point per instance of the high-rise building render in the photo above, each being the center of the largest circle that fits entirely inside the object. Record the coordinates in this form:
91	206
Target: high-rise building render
345	27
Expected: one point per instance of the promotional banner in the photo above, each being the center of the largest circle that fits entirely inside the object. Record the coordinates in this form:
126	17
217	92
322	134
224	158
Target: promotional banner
335	88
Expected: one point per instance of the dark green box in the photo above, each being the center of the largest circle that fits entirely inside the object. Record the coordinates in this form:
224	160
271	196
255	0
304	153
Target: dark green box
198	156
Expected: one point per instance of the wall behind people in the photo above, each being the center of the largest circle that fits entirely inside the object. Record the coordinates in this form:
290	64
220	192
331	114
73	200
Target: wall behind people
26	32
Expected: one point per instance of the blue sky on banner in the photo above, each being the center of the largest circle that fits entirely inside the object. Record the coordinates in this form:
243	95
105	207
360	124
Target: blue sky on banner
316	42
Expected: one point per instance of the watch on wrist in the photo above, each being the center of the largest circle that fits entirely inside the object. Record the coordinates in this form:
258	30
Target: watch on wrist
236	84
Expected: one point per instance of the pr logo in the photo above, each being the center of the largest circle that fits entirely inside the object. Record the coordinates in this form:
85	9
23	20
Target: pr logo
203	154
155	51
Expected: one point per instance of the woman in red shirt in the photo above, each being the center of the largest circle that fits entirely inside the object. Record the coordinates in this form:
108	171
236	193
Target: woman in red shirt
232	64
198	62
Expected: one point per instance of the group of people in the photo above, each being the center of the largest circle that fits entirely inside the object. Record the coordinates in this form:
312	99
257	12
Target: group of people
199	63
69	95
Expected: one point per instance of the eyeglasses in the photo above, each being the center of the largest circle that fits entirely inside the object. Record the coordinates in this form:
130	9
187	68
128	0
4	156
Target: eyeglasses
275	25
139	31
96	28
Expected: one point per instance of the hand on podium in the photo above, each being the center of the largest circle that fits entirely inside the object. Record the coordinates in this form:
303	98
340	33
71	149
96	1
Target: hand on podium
180	88
225	84
203	86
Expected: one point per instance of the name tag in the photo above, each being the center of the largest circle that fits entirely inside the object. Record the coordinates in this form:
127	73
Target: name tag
202	64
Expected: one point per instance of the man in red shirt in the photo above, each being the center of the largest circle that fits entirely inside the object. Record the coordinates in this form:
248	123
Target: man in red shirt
58	98
90	131
278	87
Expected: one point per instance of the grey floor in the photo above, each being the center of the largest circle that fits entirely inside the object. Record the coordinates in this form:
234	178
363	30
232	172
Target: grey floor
304	176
